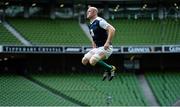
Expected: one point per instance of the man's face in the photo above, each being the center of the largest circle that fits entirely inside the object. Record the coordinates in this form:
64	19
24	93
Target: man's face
90	13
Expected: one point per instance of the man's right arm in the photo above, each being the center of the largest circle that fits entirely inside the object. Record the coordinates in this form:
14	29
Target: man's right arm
93	43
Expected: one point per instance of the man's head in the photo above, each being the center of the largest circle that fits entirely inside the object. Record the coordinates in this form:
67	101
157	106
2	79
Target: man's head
92	12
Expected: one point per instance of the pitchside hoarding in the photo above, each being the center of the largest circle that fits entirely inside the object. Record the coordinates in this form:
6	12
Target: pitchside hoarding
74	49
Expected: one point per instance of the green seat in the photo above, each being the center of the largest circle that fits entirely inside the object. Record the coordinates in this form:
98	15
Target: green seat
6	38
146	32
51	32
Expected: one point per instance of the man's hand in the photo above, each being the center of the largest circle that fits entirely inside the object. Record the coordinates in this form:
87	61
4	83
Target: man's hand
106	45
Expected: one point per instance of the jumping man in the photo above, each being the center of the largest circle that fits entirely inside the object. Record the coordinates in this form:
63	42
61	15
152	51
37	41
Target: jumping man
102	33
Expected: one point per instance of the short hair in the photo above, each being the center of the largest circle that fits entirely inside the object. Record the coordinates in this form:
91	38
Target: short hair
94	8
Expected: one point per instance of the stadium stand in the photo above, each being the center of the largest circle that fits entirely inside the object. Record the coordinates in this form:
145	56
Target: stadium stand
146	32
165	86
38	74
6	38
89	89
18	91
128	32
51	32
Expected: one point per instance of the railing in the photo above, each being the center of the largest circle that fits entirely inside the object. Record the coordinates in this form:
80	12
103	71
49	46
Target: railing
136	49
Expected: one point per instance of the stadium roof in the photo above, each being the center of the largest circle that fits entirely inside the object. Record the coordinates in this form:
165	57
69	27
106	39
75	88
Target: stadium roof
99	3
87	1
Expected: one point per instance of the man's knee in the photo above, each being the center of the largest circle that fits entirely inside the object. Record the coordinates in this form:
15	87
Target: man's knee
93	60
84	61
86	58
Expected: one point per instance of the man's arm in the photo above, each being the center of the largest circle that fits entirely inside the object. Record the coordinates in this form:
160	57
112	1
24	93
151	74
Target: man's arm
93	43
111	31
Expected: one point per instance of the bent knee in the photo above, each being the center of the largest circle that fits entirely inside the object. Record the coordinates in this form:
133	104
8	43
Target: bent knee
84	61
93	60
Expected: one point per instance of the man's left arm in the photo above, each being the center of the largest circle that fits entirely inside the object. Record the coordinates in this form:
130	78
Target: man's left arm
111	31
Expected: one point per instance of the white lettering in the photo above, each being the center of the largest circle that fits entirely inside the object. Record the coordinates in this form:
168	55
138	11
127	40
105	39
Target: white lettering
174	49
139	49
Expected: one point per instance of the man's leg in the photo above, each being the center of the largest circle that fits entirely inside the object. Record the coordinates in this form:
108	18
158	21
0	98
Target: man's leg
104	65
109	70
98	59
87	57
